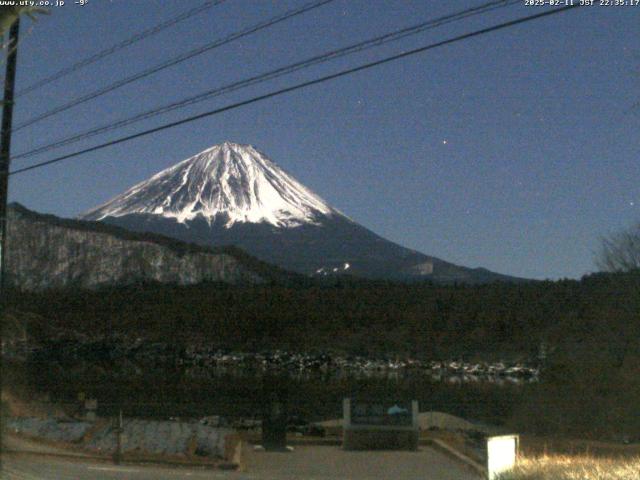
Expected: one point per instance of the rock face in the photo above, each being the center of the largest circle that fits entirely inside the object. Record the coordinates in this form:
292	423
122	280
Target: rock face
44	251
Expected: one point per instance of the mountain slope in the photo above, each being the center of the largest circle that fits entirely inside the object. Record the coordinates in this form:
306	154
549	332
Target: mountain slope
231	194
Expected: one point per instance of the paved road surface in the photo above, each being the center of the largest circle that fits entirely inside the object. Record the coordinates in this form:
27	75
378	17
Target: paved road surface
22	467
333	463
307	463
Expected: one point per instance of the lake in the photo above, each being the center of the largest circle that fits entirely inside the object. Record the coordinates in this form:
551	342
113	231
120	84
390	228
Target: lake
164	391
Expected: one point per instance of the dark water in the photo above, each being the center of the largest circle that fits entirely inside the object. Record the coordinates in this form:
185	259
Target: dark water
164	393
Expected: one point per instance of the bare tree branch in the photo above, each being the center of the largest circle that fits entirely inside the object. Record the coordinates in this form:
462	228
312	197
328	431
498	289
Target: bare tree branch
620	252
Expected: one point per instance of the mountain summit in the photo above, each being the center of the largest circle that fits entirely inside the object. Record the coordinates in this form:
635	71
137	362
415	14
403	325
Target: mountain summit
229	182
231	194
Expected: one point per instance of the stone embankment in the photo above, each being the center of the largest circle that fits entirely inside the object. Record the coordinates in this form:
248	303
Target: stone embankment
208	360
142	437
132	356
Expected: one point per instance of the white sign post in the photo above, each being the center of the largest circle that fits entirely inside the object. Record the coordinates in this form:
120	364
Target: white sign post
502	454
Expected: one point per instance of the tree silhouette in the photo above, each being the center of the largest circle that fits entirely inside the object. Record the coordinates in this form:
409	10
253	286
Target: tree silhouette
620	251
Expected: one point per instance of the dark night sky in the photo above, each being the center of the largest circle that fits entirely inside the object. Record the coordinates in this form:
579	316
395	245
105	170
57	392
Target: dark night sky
515	151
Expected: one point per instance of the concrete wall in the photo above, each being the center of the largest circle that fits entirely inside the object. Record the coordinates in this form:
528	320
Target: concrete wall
148	437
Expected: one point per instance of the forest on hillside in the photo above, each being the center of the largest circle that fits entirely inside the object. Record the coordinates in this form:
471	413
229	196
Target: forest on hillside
590	329
599	313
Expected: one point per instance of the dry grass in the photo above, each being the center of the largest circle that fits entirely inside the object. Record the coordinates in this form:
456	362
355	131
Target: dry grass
536	446
565	467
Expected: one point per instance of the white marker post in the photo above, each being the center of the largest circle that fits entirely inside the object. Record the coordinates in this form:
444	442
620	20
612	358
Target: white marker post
502	454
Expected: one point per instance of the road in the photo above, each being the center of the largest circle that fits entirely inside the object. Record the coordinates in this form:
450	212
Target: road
30	467
308	463
333	463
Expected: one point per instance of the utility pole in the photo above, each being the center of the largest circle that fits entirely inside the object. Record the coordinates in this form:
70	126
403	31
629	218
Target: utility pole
5	157
5	148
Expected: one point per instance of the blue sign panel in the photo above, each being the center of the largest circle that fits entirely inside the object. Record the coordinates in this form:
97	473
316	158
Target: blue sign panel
381	413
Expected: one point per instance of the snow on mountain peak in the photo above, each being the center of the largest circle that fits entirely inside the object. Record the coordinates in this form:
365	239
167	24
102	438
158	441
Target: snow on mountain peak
232	180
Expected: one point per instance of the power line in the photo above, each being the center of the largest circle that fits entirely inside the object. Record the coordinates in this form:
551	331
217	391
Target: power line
374	42
299	86
175	61
331	55
119	46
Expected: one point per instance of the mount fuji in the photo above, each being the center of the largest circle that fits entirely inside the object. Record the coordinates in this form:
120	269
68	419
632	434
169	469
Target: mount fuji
232	194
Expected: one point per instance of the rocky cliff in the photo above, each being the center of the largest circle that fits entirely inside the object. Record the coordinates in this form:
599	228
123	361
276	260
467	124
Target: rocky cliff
44	251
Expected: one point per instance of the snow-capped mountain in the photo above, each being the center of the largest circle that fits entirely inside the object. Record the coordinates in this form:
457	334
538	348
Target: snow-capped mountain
230	181
232	194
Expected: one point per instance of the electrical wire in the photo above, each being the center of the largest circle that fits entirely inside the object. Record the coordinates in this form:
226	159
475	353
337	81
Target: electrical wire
118	46
174	61
315	60
299	86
